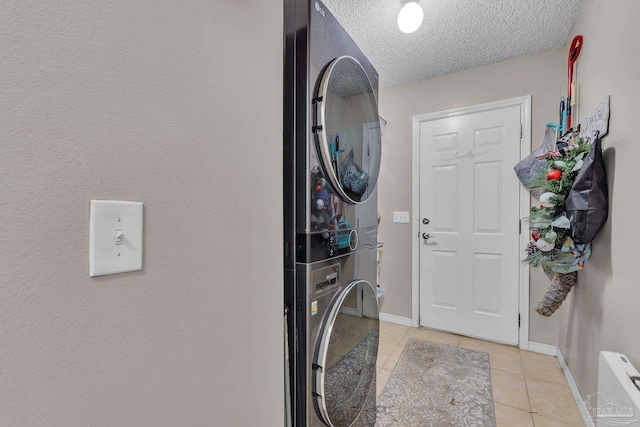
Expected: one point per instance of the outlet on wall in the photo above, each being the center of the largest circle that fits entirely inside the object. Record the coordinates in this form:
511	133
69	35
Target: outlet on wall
401	217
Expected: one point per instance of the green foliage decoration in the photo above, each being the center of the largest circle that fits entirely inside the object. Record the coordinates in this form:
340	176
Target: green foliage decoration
568	162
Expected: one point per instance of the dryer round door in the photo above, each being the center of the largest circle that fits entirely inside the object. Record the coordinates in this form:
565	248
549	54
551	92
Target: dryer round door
346	352
348	129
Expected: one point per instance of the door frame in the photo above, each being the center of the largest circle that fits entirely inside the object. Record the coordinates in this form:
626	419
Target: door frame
524	200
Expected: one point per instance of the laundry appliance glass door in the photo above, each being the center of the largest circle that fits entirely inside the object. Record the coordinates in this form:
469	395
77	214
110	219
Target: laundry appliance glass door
345	359
348	129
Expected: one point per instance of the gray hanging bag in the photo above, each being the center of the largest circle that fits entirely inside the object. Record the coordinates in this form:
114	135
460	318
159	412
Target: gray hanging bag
352	177
587	204
529	168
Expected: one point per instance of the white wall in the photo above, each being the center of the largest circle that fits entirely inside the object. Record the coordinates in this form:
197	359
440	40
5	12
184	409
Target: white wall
602	313
177	105
540	75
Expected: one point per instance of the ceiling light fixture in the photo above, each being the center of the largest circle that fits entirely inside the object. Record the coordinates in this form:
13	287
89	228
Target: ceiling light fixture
410	17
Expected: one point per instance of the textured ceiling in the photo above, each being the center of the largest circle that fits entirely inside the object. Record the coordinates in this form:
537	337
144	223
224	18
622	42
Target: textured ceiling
456	35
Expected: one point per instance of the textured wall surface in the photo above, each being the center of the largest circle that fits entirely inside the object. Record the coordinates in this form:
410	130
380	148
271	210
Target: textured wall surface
159	102
455	35
602	313
540	75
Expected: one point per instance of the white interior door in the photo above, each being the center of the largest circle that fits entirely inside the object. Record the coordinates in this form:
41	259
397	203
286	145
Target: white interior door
469	208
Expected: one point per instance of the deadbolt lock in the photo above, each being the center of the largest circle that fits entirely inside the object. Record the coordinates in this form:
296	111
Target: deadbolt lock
425	221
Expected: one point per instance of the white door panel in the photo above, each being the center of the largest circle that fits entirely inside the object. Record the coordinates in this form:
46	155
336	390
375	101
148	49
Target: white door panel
470	195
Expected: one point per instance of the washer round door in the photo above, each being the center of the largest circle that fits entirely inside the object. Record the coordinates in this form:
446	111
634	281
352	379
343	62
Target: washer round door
346	352
348	129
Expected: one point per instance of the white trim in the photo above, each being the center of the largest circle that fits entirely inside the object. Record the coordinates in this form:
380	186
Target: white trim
525	149
415	224
586	417
350	311
547	349
525	206
392	318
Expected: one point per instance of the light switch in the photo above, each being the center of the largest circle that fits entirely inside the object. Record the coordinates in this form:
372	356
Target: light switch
402	217
115	237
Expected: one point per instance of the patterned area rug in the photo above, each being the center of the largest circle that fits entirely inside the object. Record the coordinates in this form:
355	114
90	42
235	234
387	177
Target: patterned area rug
436	385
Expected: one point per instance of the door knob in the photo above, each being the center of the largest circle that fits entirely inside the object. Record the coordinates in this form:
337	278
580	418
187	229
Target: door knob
425	236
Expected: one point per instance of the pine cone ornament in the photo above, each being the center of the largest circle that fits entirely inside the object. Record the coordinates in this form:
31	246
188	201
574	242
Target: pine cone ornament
531	248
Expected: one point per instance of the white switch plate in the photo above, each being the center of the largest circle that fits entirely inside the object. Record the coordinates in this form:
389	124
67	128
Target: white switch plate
402	217
115	237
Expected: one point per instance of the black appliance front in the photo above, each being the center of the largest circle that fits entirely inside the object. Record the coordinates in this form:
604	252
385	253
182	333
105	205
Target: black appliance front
342	334
332	138
332	149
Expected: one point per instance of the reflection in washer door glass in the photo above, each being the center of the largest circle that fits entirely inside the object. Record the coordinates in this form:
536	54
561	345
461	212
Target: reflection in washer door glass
352	129
352	177
351	362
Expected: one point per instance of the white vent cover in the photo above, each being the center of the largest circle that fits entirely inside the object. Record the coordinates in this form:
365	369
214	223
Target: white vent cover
617	402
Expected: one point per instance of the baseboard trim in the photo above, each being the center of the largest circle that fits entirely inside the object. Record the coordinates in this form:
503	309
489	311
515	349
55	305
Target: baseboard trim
538	347
392	318
586	417
553	350
349	311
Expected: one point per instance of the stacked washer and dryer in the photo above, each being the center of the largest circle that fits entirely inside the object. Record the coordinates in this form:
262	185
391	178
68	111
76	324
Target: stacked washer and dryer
332	148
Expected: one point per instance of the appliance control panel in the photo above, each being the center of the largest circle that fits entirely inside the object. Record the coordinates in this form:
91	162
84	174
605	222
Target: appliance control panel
325	279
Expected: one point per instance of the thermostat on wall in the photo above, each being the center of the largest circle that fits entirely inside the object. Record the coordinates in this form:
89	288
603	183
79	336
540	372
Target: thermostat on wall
115	237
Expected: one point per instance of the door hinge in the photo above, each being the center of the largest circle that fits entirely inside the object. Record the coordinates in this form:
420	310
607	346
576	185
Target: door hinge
519	226
520	130
518	320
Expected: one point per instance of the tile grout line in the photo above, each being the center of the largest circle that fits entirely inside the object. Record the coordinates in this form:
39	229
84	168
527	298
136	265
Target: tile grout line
543	415
526	388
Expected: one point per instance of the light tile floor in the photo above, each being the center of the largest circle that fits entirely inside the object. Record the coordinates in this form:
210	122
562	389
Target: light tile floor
529	389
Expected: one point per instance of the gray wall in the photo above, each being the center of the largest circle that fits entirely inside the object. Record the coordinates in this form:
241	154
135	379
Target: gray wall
541	75
602	313
177	105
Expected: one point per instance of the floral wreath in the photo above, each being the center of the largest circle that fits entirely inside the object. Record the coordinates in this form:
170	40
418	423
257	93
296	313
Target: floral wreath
551	247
